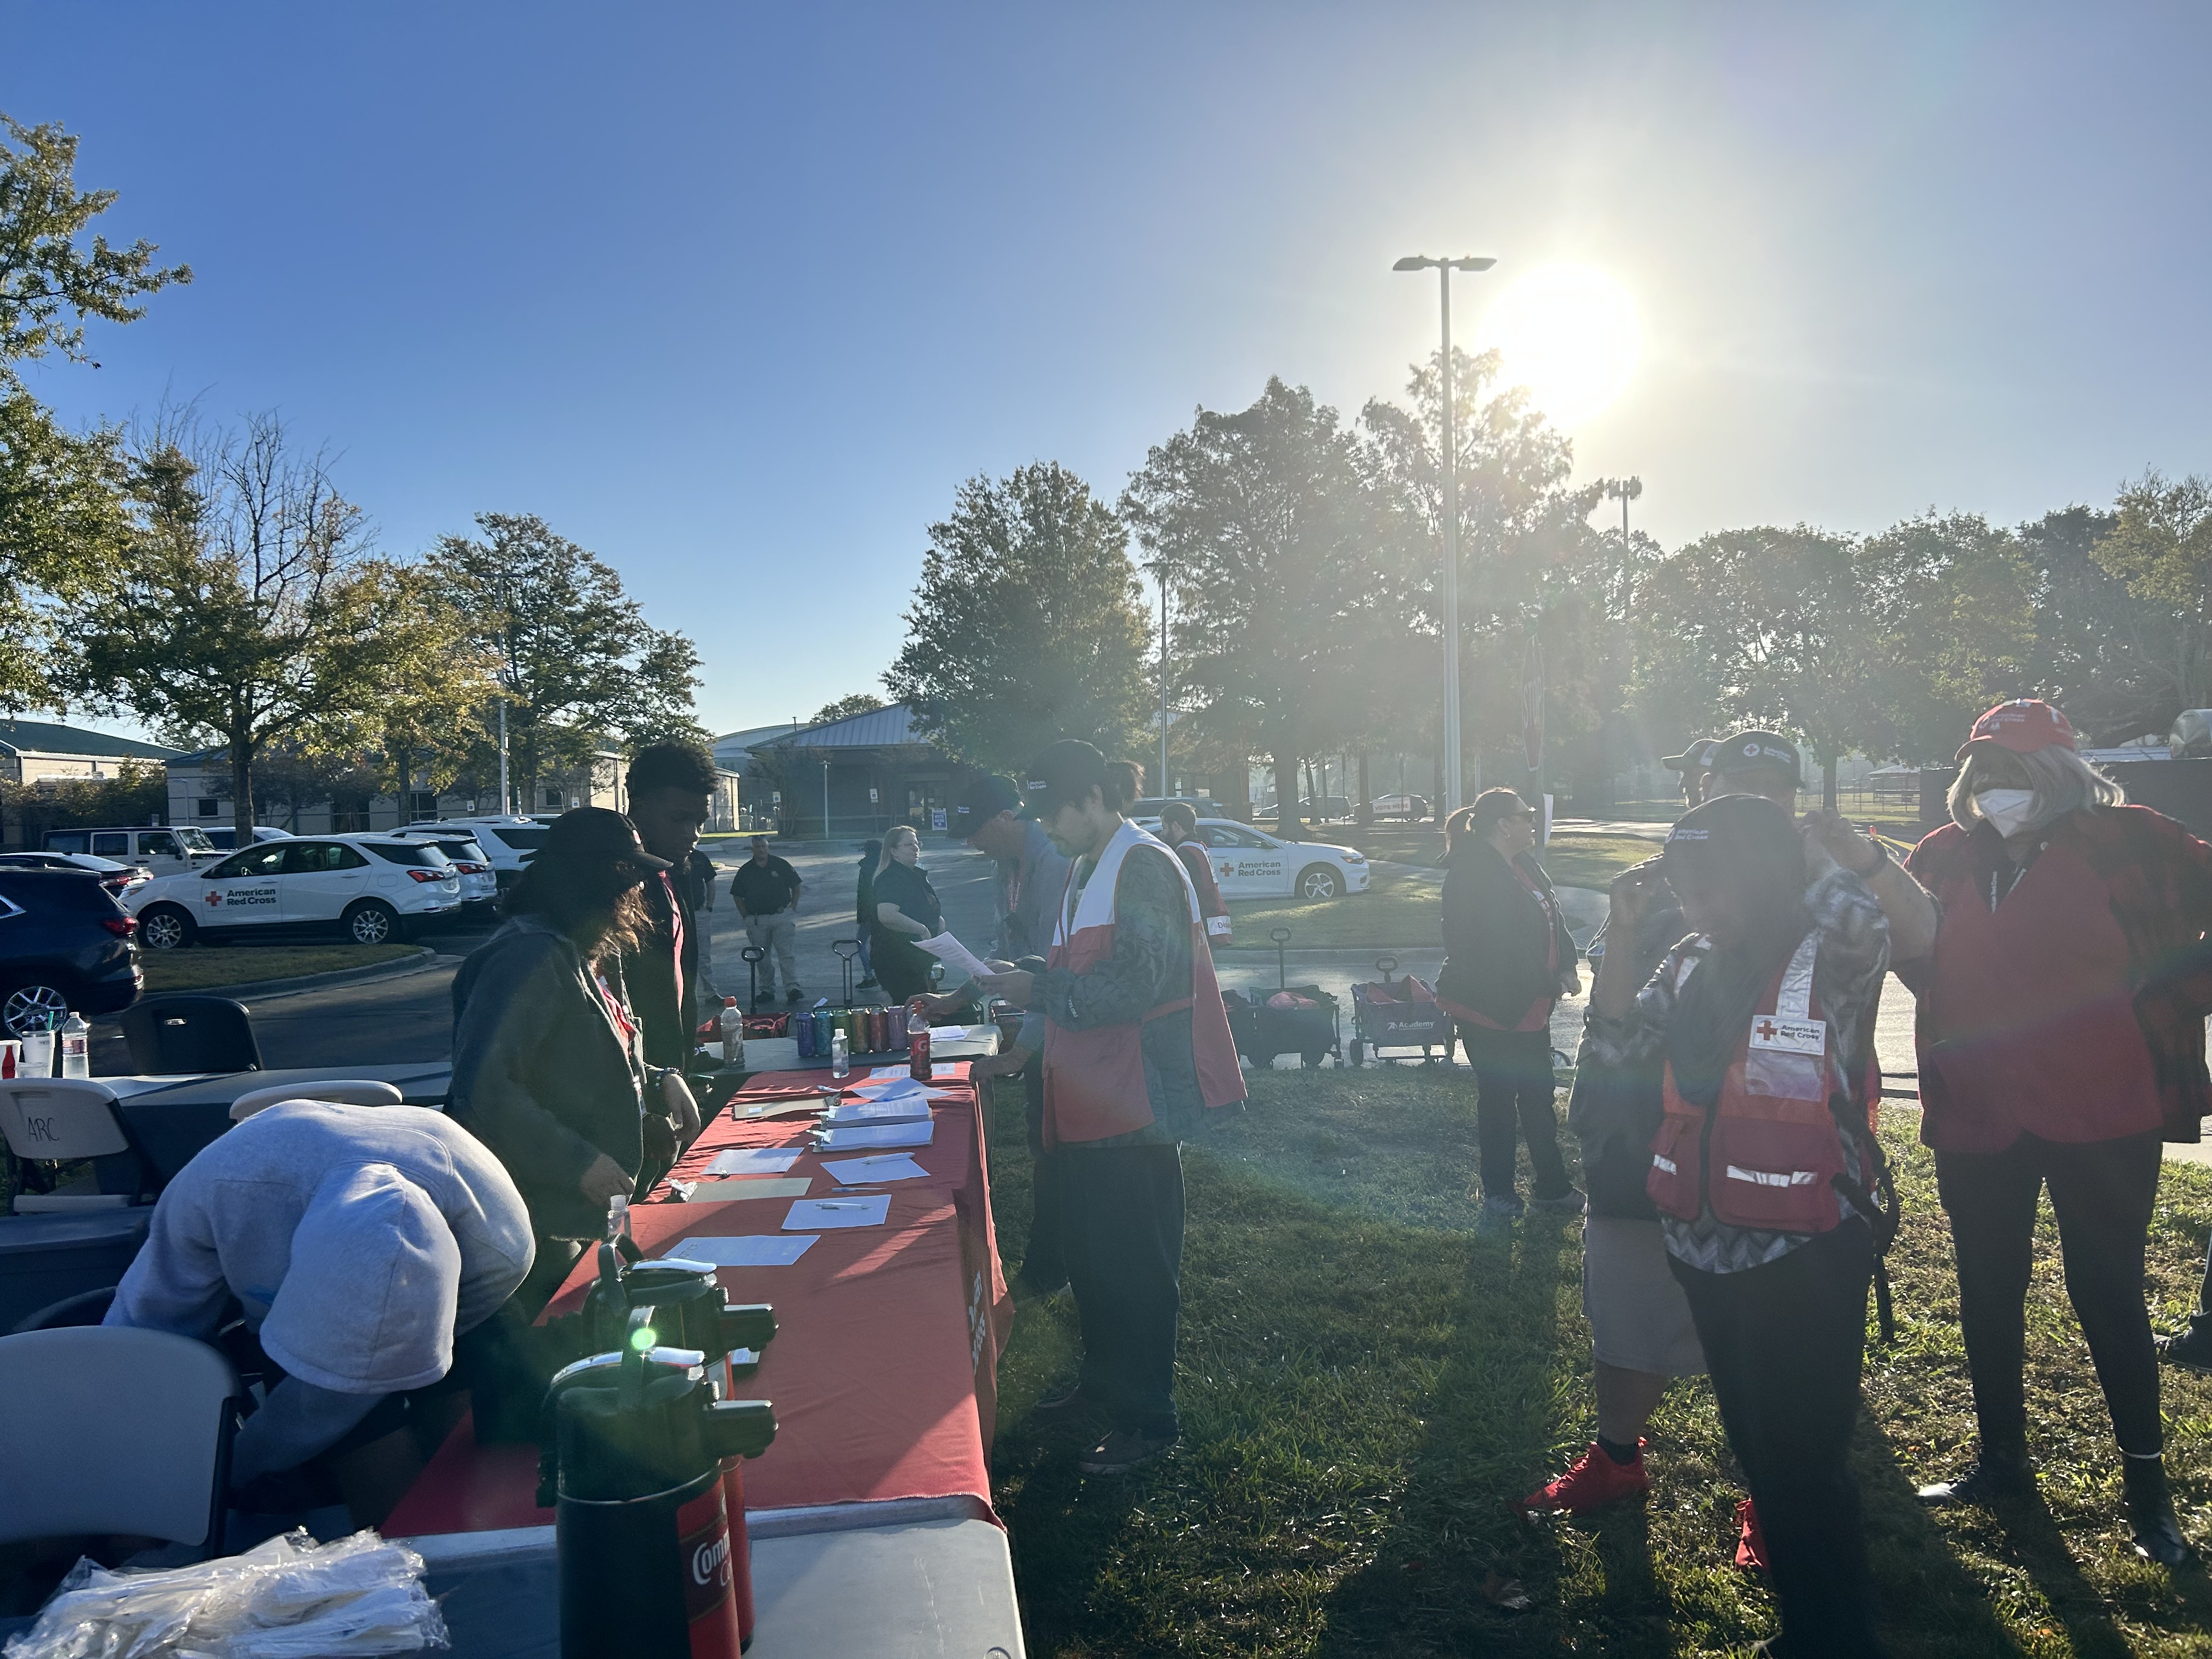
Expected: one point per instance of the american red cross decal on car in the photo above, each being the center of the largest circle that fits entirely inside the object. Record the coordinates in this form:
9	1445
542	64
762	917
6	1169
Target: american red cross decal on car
1765	1029
1228	870
214	897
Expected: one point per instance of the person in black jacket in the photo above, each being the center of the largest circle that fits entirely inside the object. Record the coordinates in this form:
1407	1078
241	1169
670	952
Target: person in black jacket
906	909
670	786
863	912
1508	959
549	1058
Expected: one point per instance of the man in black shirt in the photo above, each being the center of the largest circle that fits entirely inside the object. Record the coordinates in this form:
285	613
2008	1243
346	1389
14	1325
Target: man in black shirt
669	786
766	891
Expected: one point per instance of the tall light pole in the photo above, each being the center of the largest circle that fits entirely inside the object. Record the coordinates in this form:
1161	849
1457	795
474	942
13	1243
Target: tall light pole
1158	569
1443	267
506	685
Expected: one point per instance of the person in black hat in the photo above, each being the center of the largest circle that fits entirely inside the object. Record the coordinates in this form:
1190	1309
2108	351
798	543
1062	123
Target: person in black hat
1693	762
1137	1054
1755	762
548	1054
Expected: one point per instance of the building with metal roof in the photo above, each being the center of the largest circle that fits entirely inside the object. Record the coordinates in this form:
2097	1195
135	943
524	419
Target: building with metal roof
34	751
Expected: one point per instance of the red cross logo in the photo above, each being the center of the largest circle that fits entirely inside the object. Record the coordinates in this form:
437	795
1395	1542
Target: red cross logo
214	898
1767	1031
1227	871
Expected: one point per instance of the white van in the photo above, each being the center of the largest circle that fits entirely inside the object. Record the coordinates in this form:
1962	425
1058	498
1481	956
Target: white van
176	851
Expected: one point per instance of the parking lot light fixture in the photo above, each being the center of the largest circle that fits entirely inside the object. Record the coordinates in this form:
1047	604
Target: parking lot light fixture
1443	267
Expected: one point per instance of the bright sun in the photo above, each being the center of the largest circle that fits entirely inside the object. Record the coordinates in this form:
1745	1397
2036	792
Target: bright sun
1569	334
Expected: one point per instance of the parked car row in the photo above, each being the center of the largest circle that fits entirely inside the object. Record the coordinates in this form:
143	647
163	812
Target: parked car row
375	889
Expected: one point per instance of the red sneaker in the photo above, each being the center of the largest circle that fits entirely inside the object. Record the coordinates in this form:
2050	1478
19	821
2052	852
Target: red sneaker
1591	1482
1751	1543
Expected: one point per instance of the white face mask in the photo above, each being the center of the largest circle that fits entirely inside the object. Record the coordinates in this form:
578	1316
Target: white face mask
2008	809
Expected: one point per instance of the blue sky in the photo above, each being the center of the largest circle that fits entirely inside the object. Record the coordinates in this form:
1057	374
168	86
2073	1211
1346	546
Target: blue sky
737	295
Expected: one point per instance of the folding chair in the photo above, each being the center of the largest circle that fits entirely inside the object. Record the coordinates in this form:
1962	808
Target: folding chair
60	1119
342	1091
176	1036
114	1430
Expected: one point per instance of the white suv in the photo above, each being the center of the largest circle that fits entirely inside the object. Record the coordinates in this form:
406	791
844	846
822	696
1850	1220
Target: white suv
510	842
479	881
374	889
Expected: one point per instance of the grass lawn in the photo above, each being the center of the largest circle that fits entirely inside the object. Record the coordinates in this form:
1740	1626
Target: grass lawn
1593	860
1365	1386
204	967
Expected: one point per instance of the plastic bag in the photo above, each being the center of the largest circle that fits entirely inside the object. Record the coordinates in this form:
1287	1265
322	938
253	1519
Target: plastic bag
290	1598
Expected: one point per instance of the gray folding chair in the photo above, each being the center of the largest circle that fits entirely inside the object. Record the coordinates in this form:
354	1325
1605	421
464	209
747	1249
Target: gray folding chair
114	1430
62	1120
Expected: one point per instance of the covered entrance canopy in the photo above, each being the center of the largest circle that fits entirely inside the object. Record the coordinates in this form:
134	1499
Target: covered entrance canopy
861	775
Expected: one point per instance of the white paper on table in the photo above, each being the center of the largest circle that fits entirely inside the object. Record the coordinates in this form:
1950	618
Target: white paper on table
865	1212
948	1034
723	1192
907	1108
874	1135
865	1171
955	955
753	1250
906	1089
754	1160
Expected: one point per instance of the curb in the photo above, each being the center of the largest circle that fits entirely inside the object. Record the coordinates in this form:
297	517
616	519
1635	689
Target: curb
424	959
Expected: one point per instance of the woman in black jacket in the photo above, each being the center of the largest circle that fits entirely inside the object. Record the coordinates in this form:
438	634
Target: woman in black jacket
1508	959
906	909
548	1055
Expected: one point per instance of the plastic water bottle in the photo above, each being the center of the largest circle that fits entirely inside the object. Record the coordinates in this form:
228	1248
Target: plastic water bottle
733	1032
76	1046
840	1056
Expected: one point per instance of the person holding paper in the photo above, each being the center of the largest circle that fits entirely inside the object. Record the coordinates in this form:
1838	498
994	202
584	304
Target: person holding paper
906	910
1179	829
1137	1054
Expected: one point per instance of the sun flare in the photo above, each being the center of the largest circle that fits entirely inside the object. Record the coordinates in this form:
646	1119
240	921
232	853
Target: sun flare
1569	334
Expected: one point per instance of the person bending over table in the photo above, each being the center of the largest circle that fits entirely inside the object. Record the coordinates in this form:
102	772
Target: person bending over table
1137	1052
1761	1027
549	1057
359	1242
906	909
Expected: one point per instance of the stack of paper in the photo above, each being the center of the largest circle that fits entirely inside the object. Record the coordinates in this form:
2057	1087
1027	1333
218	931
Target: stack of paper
754	1160
831	1139
721	1192
759	1250
865	1211
909	1107
867	1171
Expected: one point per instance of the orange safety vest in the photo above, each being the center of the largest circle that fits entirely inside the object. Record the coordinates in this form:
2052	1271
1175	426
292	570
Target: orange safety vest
1094	1080
1768	1153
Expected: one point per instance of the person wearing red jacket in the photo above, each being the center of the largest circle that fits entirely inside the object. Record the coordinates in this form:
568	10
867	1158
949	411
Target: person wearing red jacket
2061	1035
1179	829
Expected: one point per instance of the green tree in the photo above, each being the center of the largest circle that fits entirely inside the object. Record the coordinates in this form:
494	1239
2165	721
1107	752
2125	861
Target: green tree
253	612
858	702
581	667
2099	653
2161	547
1026	626
64	524
1955	605
1265	522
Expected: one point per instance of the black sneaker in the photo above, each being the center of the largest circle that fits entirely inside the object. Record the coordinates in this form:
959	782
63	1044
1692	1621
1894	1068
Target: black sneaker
2191	1347
1571	1202
1123	1450
1995	1477
762	999
1066	1406
2150	1515
795	994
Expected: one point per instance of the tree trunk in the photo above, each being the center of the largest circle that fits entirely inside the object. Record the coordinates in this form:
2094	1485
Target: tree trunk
1828	783
1366	799
241	789
1288	823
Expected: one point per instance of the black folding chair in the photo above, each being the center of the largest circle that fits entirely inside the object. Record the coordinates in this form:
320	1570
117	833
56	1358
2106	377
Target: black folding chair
174	1036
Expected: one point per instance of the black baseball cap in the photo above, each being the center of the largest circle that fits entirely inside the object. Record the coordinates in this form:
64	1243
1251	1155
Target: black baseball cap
1755	750
597	836
1064	774
1698	752
984	799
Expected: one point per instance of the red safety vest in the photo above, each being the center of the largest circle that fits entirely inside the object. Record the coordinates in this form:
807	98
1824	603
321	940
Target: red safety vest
1198	861
1766	1154
1094	1080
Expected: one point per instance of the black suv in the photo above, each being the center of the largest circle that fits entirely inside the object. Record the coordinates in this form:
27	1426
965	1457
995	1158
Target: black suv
65	943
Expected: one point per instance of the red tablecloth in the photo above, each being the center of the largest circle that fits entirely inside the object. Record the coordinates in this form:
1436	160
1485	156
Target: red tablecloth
883	1371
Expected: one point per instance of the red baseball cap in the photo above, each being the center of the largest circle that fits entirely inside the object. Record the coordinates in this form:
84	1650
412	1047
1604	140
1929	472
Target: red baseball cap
2023	726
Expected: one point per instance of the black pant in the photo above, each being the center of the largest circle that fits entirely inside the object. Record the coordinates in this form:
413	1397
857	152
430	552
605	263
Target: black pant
2102	1191
1783	1342
1515	1093
1121	1225
1044	1263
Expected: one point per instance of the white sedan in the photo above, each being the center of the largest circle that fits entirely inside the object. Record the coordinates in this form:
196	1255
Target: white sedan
1250	863
371	888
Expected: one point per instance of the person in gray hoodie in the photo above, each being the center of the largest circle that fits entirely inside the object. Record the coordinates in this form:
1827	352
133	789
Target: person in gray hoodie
358	1243
549	1058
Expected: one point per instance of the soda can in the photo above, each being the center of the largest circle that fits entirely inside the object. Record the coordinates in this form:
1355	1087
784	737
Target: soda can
879	1031
894	1029
917	1054
802	1028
